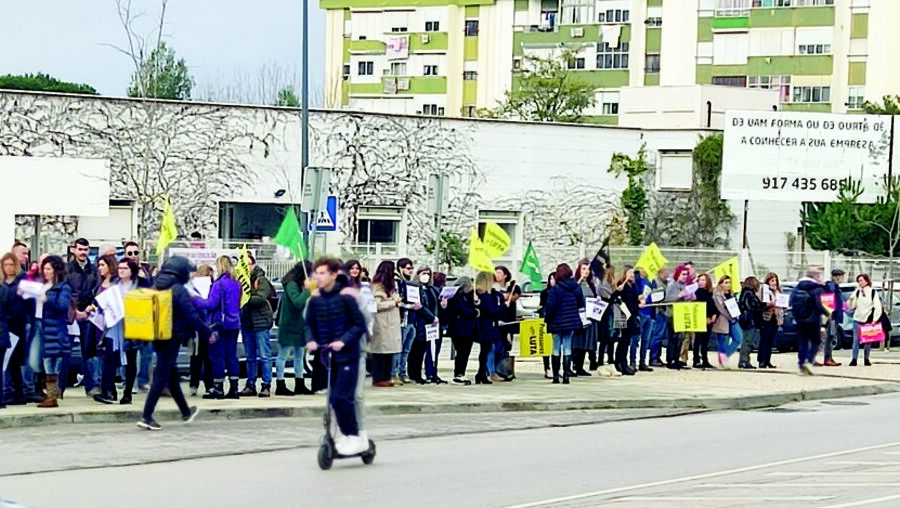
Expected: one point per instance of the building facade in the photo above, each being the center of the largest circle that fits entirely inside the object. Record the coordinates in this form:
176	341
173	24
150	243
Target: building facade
452	57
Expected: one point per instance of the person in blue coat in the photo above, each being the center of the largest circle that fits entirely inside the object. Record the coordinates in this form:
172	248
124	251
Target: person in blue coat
224	303
53	317
491	309
564	305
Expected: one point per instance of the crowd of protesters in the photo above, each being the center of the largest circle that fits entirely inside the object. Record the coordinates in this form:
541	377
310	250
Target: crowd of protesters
46	309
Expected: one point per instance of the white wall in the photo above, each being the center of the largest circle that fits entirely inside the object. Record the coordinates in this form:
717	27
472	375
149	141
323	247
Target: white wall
684	107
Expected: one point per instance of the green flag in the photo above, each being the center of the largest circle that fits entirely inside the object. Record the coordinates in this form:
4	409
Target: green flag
531	266
290	237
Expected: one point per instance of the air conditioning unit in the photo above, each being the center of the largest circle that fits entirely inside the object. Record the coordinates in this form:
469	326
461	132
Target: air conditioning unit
577	31
426	38
402	84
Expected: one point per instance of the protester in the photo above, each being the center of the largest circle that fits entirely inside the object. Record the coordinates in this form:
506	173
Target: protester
807	310
133	251
354	273
606	334
20	314
491	309
110	339
675	292
52	315
145	349
387	338
421	319
564	303
462	314
726	342
186	322
5	344
643	334
22	254
402	279
224	302
750	320
584	341
701	339
772	319
504	362
256	325
201	365
82	277
439	281
625	308
832	327
867	309
292	329
659	331
129	280
542	313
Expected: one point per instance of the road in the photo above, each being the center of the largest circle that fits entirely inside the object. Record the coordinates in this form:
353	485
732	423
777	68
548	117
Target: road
823	454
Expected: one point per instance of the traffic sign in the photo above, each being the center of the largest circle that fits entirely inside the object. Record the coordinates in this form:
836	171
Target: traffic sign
326	219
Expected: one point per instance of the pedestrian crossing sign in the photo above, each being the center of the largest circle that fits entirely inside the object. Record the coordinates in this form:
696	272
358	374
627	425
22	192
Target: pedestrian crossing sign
326	219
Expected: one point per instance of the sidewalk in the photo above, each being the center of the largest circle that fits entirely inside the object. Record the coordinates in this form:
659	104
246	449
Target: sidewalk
662	389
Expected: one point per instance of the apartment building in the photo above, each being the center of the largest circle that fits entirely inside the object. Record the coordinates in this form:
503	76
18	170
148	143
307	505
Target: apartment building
452	57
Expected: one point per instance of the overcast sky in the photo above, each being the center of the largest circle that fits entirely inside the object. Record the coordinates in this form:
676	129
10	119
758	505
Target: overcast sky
219	39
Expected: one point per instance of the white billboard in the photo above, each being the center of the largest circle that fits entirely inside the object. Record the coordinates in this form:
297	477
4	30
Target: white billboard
797	157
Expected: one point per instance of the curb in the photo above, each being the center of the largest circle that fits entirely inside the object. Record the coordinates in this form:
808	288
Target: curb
397	409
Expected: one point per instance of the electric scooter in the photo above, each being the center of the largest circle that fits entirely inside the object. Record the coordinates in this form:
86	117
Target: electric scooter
327	451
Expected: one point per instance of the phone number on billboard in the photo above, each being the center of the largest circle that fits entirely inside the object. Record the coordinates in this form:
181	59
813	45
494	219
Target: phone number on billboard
805	184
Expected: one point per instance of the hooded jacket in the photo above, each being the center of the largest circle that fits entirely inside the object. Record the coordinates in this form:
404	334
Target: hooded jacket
224	302
815	291
564	302
462	316
256	314
55	320
186	321
332	316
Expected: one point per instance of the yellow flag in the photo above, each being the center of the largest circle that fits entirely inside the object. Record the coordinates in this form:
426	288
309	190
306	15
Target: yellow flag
689	317
243	274
478	258
496	241
168	231
651	261
731	268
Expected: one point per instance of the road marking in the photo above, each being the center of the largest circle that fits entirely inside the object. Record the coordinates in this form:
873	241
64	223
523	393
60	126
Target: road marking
704	476
865	502
865	463
721	498
891	453
809	484
834	473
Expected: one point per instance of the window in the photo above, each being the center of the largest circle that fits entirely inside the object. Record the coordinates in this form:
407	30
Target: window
780	83
471	27
812	3
814	49
431	70
372	231
345	73
651	22
856	98
612	58
613	16
576	63
812	94
738	81
771	3
577	12
610	108
469	111
432	110
399	29
651	64
609	102
365	69
470	75
728	8
398	69
432	26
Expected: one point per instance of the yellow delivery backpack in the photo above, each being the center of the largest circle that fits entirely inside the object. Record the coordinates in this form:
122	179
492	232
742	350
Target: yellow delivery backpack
148	314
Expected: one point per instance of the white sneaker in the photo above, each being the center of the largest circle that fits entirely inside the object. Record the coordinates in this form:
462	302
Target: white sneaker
342	445
806	370
352	445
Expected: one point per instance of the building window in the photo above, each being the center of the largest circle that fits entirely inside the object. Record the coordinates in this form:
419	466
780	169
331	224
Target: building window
431	70
812	3
771	3
577	12
432	110
651	22
780	83
517	64
613	16
471	27
729	8
737	81
857	97
651	64
609	102
575	63
612	58
345	72
610	108
381	230
398	69
470	75
432	26
469	111
812	94
365	69
814	49
399	29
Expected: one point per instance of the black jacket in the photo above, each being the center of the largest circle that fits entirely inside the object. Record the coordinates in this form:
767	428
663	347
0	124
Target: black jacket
751	305
83	282
706	297
815	291
5	303
425	316
256	314
462	316
628	295
564	303
21	311
490	311
186	320
542	305
331	316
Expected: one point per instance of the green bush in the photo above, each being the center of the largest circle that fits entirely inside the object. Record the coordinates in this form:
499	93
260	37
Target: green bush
43	83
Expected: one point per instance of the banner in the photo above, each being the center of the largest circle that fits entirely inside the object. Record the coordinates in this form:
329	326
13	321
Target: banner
731	268
478	258
689	316
534	339
651	261
397	47
496	240
242	269
871	333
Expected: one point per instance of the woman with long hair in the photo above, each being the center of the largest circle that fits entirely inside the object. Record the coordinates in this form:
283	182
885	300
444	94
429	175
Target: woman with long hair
505	364
354	271
727	342
750	320
625	298
584	342
701	339
867	309
224	302
772	318
542	313
129	279
606	335
52	324
423	318
676	292
292	329
564	305
201	365
462	326
19	319
491	309
386	342
110	341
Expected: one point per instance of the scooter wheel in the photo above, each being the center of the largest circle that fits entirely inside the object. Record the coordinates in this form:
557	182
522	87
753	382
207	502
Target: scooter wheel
369	456
326	457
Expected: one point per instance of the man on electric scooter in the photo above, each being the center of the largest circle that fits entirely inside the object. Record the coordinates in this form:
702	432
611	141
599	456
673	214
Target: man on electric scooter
334	320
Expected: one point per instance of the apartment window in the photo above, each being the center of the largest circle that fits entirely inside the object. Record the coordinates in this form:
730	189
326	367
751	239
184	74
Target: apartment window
609	102
431	70
432	26
651	64
575	63
469	111
812	3
856	98
399	29
577	12
432	110
780	83
728	8
814	49
651	22
470	75
610	108
771	3
613	16
398	69
346	71
365	69
517	64
812	94
737	81
471	27
612	58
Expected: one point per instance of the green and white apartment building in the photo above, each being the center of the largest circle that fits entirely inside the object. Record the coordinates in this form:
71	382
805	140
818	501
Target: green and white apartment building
453	57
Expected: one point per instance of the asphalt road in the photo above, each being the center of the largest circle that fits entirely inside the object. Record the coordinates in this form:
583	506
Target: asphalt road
832	453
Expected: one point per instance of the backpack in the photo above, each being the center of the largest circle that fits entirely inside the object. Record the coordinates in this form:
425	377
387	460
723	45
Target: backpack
802	305
148	314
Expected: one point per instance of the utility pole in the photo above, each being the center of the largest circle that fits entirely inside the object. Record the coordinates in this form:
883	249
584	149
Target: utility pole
436	182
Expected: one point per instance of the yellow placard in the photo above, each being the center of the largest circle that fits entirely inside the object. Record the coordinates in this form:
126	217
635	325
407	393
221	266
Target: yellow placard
478	258
731	268
534	339
689	317
651	261
242	269
496	241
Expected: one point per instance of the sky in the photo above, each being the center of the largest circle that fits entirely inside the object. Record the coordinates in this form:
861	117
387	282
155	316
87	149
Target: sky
221	40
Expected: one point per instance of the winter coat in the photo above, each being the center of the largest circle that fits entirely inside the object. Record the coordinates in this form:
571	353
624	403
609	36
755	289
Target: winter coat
771	311
712	310
21	311
256	314
542	305
462	316
82	281
55	320
564	304
5	304
815	291
750	303
672	291
629	296
386	329
224	302
866	305
291	325
490	311
332	316
723	320
186	321
429	311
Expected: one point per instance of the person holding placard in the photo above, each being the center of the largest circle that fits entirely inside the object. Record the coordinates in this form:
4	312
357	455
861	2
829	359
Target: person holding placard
701	339
750	319
422	318
129	279
109	338
606	337
408	292
462	320
224	302
625	309
52	324
387	341
564	304
491	309
200	363
542	311
726	341
772	319
832	327
867	309
584	342
676	292
505	363
659	330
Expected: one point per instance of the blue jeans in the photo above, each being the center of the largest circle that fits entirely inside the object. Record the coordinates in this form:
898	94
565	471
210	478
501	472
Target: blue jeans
492	360
90	362
53	364
562	343
431	363
809	335
285	352
658	334
726	344
408	335
146	351
866	347
25	368
259	352
223	355
646	327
